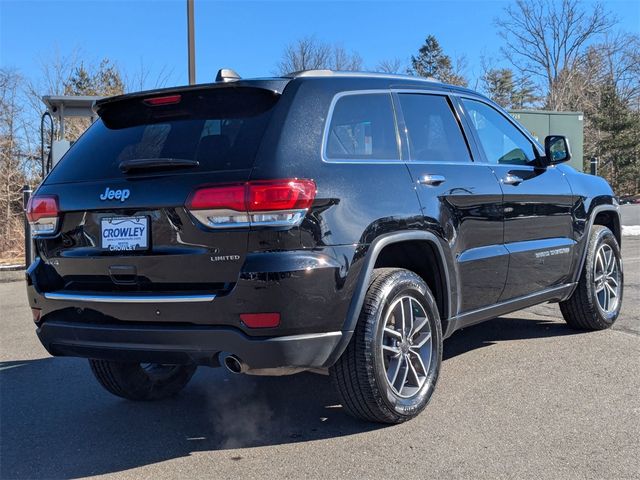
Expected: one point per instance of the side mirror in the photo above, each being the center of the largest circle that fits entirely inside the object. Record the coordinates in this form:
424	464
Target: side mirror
556	149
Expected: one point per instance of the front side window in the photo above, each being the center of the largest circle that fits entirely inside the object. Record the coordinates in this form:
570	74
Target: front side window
362	128
433	132
501	141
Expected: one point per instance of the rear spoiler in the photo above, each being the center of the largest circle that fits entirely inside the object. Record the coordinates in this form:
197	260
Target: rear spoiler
223	100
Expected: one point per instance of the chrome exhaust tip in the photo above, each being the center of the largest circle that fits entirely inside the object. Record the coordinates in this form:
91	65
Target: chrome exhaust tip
234	364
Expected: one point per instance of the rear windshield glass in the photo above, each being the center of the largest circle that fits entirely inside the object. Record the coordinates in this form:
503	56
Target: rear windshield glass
217	138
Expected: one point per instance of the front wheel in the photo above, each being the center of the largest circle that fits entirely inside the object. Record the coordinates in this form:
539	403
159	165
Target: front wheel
141	381
389	370
595	304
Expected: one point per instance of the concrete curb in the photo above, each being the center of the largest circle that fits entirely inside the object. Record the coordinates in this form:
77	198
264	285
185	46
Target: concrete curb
11	274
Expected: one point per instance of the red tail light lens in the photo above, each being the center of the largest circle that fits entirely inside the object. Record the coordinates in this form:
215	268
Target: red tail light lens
268	203
280	195
230	197
42	206
42	213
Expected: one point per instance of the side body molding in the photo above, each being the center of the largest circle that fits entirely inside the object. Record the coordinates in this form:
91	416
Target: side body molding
367	269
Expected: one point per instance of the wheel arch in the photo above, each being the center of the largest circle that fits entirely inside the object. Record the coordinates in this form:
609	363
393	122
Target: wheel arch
394	250
607	216
610	218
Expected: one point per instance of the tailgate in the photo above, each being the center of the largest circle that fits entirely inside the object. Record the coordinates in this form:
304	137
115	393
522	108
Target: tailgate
122	187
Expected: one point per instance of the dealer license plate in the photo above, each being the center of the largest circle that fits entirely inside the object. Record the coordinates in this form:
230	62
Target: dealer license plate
124	233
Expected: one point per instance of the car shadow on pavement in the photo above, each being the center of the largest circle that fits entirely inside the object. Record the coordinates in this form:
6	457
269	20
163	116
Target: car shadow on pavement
503	329
56	422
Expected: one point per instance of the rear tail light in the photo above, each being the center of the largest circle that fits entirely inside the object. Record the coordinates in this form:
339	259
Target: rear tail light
43	213
260	203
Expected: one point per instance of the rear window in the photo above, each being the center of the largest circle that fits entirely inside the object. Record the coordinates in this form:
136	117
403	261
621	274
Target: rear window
362	128
219	135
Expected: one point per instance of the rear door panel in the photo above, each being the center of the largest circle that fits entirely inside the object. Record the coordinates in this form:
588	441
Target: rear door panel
467	205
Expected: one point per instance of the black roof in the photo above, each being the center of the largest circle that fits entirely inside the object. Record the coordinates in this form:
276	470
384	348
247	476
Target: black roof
278	84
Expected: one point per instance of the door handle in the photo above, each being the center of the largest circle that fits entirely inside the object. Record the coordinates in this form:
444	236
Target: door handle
511	179
432	180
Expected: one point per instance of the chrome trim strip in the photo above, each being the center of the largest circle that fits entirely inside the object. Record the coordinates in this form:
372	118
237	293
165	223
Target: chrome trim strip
203	217
305	336
78	297
482	253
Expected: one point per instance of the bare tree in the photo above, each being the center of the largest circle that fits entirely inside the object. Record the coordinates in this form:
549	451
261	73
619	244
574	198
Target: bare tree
308	53
12	159
391	65
141	78
342	60
548	40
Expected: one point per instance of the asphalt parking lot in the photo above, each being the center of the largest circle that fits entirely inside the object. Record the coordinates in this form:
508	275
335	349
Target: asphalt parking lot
521	396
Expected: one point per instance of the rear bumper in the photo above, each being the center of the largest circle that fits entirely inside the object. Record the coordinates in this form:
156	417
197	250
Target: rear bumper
185	344
310	290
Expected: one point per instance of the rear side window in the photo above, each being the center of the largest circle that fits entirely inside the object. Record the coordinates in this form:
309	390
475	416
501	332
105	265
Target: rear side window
217	135
433	131
362	127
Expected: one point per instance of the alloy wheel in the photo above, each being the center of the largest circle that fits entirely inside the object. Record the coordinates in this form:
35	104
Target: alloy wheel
406	346
606	277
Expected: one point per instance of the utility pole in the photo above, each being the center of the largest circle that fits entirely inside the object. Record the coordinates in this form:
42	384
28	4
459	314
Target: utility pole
191	43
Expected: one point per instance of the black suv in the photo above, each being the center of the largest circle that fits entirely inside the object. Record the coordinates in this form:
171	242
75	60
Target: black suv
319	221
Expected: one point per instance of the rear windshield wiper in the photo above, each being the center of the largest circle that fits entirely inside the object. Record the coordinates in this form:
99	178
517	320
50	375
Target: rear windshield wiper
156	163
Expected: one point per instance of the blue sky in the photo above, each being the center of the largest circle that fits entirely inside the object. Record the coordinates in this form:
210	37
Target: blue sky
247	36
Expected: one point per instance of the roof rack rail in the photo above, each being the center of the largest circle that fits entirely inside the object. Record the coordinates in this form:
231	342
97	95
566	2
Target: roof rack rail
340	73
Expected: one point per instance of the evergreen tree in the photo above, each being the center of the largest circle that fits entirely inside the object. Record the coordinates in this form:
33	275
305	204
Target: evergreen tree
499	85
524	94
619	144
433	62
104	80
505	89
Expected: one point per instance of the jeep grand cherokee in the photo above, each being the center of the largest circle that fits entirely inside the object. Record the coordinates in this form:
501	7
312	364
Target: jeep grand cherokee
322	220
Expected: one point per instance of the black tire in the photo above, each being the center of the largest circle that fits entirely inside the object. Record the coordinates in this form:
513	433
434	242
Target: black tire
135	381
582	310
360	374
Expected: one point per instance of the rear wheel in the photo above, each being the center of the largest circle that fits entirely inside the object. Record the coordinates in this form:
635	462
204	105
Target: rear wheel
595	303
141	381
389	370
